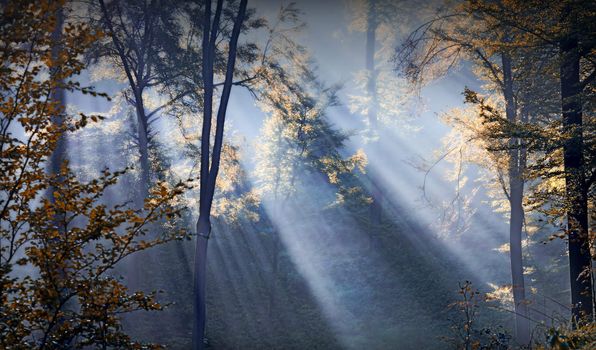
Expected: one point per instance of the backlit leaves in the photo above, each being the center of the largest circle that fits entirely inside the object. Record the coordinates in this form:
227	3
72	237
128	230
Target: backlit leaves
59	241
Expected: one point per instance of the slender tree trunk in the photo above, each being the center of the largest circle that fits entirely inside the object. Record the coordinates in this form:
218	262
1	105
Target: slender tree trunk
575	179
371	85
58	95
143	140
516	195
203	232
137	88
57	158
210	162
371	88
139	263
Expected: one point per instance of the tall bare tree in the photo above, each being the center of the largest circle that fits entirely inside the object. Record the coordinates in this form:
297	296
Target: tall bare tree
210	157
142	41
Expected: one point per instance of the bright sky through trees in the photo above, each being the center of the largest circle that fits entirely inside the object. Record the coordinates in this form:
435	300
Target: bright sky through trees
259	174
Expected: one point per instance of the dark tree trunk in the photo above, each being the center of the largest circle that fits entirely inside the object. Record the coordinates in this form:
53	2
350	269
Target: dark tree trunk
210	161
58	95
516	195
143	140
200	267
56	160
137	86
575	178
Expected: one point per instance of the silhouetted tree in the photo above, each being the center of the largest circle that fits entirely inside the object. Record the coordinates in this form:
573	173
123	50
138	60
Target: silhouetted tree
210	161
142	41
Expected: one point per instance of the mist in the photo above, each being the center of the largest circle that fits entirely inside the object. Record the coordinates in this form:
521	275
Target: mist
345	174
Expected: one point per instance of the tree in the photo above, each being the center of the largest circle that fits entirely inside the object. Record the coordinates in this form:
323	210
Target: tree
299	142
220	54
464	34
210	160
567	27
371	90
576	187
143	37
58	95
300	151
59	251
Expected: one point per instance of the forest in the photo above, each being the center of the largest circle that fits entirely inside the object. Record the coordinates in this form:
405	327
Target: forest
268	174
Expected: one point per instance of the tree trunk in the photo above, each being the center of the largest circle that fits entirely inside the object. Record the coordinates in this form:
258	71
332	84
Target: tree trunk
210	161
371	87
516	195
56	160
575	179
137	89
143	139
139	263
200	267
58	95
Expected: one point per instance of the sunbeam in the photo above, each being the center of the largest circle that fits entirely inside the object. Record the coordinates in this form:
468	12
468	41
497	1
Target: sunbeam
256	174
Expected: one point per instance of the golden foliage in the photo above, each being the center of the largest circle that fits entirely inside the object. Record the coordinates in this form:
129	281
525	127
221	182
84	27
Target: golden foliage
58	241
